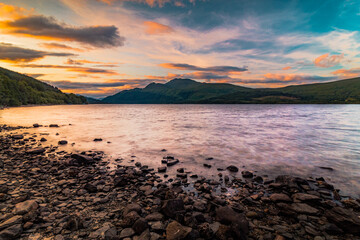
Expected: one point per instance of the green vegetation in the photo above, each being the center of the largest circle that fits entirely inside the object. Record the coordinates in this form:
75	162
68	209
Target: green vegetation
18	89
189	91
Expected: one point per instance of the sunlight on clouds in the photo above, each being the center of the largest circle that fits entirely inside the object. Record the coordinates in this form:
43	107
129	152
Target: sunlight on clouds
157	28
327	61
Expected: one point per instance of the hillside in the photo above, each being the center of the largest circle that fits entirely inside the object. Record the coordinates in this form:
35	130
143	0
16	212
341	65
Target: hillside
175	91
18	89
189	91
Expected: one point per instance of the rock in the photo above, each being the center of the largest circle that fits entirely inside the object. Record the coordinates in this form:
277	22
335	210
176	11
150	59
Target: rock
327	168
176	231
74	223
36	125
239	225
12	221
97	139
181	175
127	232
133	207
172	162
90	188
232	168
194	176
173	207
107	232
247	174
82	159
345	219
258	179
25	207
304	208
120	182
180	170
207	165
18	136
279	237
156	216
304	197
162	169
280	197
63	142
11	232
140	226
43	140
53	125
205	230
36	151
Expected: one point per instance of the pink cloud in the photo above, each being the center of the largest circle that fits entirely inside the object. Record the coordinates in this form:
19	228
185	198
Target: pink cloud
153	28
327	61
349	73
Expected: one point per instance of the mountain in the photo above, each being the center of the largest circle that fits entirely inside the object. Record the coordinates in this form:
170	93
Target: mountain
190	91
17	89
175	91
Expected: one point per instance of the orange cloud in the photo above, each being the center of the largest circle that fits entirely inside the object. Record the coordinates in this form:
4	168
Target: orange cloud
151	3
154	28
327	61
13	12
81	62
284	77
349	73
84	70
286	68
59	46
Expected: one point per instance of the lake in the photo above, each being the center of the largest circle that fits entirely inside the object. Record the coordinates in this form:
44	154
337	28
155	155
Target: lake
269	139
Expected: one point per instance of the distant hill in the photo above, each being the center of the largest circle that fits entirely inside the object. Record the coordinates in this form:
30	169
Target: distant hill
17	89
190	91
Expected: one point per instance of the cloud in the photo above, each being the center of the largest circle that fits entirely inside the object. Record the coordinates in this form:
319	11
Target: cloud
327	61
84	70
188	67
151	3
11	53
82	62
286	68
348	73
48	28
13	12
300	78
35	75
154	28
102	89
59	46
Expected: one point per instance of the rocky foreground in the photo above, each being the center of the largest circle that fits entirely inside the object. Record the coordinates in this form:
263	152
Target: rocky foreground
50	194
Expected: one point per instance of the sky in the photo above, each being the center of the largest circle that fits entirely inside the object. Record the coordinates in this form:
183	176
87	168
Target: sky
100	47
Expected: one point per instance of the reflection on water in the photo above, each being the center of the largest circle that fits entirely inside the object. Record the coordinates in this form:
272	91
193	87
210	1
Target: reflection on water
272	139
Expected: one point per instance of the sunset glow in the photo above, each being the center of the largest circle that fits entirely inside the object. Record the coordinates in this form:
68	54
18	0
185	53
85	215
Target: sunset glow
100	47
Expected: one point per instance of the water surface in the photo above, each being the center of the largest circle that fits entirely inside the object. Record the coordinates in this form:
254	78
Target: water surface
270	139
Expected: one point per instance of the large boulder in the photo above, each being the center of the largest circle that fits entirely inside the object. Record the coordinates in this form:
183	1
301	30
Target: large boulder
11	232
176	231
107	232
25	207
173	207
345	219
238	223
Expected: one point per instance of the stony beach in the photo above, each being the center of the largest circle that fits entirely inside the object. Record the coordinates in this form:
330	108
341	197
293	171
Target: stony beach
48	194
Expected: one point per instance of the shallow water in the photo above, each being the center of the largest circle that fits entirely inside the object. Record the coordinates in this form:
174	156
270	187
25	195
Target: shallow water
270	139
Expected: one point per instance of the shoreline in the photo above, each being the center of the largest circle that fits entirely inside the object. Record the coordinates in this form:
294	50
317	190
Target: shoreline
60	195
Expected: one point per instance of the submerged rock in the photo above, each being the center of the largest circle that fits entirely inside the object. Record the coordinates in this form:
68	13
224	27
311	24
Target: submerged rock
232	168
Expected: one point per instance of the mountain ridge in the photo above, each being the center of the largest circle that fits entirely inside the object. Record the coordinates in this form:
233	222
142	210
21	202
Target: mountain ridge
182	91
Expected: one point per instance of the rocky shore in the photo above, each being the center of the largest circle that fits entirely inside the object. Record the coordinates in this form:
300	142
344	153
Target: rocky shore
48	194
